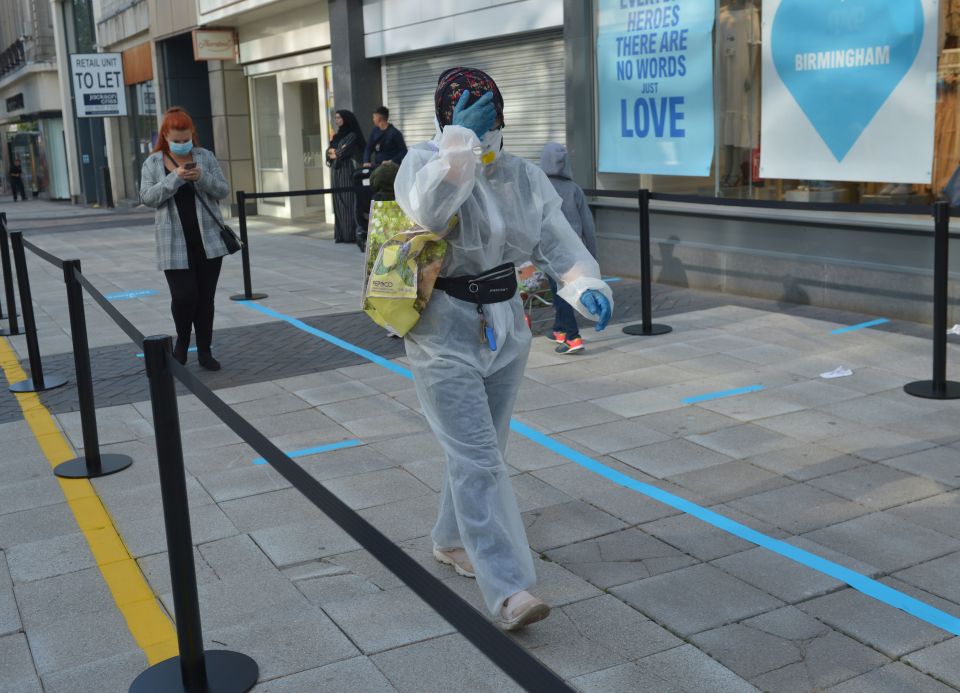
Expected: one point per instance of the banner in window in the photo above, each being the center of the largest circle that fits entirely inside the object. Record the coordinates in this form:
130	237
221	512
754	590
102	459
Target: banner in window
655	80
849	90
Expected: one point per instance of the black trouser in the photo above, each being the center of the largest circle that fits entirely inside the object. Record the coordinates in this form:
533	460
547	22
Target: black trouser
192	291
17	185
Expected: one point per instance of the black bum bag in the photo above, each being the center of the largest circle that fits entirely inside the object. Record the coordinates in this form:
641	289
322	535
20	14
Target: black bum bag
493	286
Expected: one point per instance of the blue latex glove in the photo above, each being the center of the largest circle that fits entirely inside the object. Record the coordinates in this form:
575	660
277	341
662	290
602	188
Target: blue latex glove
480	116
597	305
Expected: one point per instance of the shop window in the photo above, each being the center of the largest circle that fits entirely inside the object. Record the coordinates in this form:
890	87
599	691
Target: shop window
735	171
269	148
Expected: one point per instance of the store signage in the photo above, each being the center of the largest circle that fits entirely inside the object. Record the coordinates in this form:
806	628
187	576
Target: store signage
655	77
15	103
146	99
214	44
98	86
849	90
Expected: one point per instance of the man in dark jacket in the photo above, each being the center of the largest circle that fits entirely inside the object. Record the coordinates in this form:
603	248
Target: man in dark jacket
16	180
385	142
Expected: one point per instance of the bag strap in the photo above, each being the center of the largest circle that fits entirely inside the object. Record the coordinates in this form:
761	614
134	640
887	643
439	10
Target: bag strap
197	194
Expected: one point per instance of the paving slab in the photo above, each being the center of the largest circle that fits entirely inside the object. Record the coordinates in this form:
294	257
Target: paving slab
387	620
938	513
876	444
904	544
357	675
619	558
892	678
939	464
49	557
694	599
777	575
939	661
824	657
799	508
877	486
806	462
567	523
610	437
668	459
113	673
937	576
17	672
726	482
873	623
745	440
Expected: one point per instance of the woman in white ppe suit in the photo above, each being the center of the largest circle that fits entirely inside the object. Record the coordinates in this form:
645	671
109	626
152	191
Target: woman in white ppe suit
468	357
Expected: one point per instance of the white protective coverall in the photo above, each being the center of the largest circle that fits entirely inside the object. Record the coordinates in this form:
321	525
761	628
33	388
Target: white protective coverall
508	212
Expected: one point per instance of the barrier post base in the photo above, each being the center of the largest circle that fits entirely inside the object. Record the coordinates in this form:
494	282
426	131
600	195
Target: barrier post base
244	297
227	672
49	382
77	467
638	331
927	390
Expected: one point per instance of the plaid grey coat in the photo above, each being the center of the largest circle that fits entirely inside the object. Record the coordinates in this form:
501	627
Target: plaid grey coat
157	188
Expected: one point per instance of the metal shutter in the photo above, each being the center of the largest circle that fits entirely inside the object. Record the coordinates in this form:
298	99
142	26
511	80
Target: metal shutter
528	69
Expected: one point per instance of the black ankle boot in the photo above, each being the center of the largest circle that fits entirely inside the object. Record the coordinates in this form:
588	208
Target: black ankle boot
180	351
207	361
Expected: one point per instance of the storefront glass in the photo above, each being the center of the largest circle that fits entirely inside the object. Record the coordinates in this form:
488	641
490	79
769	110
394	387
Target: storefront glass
738	97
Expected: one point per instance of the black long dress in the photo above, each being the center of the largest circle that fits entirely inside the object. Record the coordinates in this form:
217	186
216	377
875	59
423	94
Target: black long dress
349	151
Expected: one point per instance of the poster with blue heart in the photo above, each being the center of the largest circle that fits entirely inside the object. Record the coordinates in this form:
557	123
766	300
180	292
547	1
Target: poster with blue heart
655	80
849	90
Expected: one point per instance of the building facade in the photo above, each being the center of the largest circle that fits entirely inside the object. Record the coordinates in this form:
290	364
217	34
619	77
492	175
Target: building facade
31	119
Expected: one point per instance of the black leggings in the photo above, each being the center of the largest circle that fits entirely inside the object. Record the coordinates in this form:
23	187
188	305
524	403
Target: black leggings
192	291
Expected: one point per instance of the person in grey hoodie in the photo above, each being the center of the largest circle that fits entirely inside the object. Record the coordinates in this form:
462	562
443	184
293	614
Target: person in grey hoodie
554	162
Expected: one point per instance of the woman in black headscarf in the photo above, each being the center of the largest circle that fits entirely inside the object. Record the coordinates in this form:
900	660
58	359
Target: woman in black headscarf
343	157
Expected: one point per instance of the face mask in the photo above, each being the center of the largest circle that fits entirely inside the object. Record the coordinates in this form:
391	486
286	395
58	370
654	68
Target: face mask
490	146
181	148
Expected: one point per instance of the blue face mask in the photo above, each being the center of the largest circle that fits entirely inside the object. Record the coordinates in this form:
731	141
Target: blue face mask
181	148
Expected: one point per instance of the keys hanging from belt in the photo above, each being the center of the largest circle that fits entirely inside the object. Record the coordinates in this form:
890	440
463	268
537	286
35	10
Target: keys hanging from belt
487	335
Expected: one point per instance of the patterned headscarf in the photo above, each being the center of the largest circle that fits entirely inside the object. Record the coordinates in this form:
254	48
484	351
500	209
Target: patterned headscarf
454	82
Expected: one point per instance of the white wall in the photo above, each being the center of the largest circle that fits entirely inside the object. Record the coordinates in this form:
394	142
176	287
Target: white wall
400	26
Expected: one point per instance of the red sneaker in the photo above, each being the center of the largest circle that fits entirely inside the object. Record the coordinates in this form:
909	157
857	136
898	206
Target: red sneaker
558	337
570	346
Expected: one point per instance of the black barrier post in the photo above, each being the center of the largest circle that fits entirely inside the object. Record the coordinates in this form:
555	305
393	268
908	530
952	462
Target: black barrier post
193	670
247	294
646	328
7	279
92	464
37	382
939	387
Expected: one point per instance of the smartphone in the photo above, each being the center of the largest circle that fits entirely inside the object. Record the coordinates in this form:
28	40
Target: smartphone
191	164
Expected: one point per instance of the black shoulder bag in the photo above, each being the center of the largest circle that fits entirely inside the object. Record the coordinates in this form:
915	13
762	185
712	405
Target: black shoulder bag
227	235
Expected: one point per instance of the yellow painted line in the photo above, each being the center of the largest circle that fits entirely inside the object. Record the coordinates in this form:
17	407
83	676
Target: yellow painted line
149	624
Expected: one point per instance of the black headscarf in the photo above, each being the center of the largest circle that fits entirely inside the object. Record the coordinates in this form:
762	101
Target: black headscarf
350	124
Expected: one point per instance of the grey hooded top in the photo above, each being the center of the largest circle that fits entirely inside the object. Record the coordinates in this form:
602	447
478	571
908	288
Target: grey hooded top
553	161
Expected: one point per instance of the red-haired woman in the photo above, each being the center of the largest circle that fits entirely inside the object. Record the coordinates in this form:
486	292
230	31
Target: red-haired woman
189	248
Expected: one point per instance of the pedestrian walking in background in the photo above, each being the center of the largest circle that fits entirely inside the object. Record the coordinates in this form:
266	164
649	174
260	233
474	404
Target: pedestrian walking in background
343	157
556	164
183	182
385	143
469	349
16	180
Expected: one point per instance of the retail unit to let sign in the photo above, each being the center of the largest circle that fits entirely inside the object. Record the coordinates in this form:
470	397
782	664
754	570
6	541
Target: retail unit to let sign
655	77
98	87
849	90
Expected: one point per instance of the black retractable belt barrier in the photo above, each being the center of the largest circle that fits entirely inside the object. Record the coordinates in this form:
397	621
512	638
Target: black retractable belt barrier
939	387
14	327
194	670
91	464
242	197
516	662
646	328
37	382
247	294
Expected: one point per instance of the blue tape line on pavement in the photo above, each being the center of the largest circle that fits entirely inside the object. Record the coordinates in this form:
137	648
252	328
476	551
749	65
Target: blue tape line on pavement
303	452
723	393
191	349
127	295
861	583
299	324
860	326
